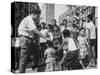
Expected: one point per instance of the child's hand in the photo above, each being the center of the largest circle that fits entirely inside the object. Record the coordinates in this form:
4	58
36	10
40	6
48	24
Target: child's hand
48	39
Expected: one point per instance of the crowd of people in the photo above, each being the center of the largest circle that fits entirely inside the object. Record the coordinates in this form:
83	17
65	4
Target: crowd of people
69	44
66	46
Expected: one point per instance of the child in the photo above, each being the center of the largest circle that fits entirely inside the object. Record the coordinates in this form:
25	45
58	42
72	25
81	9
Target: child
70	51
50	58
82	45
50	32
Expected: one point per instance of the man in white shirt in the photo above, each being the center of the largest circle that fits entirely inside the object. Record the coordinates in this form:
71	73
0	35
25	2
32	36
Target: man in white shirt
27	31
92	38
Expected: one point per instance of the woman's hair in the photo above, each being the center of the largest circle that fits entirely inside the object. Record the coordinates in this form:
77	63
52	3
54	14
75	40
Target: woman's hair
66	33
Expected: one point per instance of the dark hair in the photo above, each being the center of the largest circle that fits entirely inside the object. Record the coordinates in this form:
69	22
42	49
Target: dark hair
61	24
50	44
54	20
64	20
43	23
90	17
66	33
82	29
51	27
35	9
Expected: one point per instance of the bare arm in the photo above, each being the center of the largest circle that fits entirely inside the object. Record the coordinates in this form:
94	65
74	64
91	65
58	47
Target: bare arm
39	33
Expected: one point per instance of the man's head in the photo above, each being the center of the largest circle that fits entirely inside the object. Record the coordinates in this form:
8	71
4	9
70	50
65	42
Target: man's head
65	21
54	21
89	18
43	24
35	11
82	32
66	33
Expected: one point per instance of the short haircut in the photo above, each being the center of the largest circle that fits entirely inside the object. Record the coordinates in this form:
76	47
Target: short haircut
50	26
50	44
43	23
54	20
35	9
82	29
64	20
66	33
61	24
90	17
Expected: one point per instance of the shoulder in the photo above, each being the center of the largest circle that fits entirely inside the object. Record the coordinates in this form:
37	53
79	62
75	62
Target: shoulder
78	37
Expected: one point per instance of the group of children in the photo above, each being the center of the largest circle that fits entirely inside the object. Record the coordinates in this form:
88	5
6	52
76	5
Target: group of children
65	47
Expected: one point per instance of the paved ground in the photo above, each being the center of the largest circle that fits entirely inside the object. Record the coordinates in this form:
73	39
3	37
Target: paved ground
29	70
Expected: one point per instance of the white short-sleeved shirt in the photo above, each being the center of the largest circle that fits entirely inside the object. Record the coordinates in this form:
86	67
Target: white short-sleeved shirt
62	28
92	29
26	27
71	44
44	32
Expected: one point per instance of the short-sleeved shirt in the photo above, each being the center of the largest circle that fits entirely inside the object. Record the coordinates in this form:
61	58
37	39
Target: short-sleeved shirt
69	44
26	27
62	28
92	29
44	32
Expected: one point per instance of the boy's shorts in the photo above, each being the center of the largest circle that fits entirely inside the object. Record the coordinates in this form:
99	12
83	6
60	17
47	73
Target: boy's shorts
69	57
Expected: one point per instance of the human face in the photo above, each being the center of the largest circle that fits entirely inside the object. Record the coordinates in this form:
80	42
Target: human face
82	32
53	22
42	25
35	16
64	22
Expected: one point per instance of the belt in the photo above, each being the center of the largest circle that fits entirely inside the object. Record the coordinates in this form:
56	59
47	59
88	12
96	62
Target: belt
26	37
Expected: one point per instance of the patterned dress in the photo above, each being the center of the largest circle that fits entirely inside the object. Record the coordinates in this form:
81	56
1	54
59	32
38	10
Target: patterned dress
83	47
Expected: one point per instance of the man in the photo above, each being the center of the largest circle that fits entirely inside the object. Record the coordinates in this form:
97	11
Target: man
54	23
27	31
65	22
92	39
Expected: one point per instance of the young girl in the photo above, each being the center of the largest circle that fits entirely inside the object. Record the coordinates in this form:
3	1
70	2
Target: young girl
82	45
70	51
50	58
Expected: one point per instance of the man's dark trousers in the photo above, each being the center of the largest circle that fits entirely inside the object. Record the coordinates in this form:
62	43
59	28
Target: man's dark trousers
27	48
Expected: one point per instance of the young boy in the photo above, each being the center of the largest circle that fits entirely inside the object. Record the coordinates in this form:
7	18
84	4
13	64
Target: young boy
70	51
50	57
82	45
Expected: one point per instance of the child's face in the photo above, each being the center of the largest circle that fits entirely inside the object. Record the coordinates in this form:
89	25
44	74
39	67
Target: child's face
42	25
64	22
82	32
53	22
